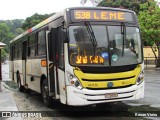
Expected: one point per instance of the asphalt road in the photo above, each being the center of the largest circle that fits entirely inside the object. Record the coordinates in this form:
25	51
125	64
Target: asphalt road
149	104
152	89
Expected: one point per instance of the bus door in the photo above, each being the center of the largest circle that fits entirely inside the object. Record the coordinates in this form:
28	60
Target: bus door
56	39
24	57
51	65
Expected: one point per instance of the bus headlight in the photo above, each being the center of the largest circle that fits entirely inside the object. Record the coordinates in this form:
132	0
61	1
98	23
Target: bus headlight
73	80
140	78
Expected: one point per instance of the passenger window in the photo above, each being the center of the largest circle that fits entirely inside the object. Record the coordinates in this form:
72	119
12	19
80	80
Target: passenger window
41	43
31	46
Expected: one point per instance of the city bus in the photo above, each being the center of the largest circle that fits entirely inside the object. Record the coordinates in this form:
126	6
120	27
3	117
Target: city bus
81	56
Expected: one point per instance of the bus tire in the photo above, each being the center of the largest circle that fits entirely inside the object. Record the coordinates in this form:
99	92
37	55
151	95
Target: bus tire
47	100
20	87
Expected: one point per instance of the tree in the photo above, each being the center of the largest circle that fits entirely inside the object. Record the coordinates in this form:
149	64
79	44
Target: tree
149	18
14	24
4	55
5	37
34	19
127	4
5	34
18	31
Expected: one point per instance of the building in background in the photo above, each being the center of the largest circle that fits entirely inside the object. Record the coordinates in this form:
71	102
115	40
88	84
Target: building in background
149	56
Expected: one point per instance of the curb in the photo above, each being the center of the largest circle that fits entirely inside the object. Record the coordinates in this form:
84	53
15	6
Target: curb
7	87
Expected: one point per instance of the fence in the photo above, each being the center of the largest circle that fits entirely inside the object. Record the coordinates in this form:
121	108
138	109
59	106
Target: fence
150	61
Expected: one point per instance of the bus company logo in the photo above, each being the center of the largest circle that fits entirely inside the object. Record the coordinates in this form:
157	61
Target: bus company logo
104	54
110	84
6	114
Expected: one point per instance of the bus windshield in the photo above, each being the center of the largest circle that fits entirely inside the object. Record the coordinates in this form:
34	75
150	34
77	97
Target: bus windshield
114	47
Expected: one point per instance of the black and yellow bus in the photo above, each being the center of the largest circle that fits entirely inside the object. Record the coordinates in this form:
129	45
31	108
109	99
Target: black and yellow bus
81	56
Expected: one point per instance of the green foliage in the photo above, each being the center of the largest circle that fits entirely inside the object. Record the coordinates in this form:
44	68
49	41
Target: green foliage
4	30
18	31
34	20
4	54
127	4
14	24
5	34
149	19
8	30
5	37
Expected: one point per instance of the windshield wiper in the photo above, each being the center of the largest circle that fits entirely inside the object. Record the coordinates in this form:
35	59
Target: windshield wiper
123	32
91	36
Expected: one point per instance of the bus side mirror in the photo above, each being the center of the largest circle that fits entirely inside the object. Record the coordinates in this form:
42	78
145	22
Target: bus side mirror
52	47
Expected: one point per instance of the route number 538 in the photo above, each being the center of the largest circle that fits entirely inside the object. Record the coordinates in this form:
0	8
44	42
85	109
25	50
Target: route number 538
82	15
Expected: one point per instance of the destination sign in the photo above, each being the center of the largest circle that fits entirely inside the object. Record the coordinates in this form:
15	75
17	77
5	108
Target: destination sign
89	60
101	15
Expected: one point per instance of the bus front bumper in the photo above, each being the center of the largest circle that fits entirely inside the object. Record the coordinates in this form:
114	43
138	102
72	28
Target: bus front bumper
77	97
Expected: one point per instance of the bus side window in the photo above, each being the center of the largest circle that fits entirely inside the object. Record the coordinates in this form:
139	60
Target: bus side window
31	46
41	42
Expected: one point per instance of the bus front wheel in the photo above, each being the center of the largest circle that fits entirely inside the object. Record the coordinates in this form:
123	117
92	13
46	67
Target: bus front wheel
45	94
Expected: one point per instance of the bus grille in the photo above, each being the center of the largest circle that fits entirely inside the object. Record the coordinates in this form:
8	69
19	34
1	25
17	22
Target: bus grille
109	88
114	79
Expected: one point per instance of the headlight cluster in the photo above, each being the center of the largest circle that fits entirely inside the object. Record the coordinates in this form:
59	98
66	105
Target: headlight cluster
73	80
140	77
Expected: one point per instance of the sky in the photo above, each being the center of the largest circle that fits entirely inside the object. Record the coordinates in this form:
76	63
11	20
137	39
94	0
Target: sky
21	9
158	2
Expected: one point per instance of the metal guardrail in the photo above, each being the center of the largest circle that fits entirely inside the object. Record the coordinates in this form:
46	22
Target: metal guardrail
150	61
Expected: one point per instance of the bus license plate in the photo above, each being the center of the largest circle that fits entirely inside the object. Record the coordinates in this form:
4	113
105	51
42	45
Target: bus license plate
111	95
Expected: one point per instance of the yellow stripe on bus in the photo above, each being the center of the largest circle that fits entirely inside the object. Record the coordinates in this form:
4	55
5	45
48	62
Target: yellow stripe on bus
101	80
